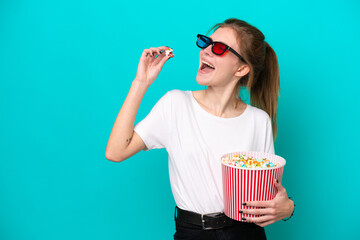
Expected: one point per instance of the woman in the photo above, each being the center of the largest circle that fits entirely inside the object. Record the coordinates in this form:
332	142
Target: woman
196	128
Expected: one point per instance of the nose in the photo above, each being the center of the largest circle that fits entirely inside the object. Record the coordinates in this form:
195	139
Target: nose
208	51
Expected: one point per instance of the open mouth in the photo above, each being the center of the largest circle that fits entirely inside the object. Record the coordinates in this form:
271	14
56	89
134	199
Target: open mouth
206	67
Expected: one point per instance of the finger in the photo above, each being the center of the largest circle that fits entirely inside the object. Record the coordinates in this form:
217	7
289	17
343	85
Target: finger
164	59
162	53
259	204
281	191
159	58
278	185
154	51
150	53
163	48
160	50
263	224
151	50
147	52
259	219
161	62
261	211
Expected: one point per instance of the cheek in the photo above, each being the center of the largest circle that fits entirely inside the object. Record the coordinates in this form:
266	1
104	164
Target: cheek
226	70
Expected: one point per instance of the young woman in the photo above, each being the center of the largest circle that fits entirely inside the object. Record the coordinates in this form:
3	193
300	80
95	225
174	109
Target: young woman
197	127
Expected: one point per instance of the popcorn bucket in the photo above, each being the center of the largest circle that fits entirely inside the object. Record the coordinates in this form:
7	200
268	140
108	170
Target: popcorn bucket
249	184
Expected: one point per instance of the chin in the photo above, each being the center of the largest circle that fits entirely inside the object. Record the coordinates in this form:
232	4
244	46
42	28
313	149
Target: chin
203	80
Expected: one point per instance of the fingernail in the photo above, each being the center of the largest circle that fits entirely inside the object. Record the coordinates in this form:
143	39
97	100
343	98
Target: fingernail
244	219
244	204
277	181
240	211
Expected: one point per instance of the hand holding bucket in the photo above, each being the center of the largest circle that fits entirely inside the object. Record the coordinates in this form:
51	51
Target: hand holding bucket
270	211
249	184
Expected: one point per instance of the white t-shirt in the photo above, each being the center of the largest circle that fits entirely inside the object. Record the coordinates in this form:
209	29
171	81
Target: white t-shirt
195	141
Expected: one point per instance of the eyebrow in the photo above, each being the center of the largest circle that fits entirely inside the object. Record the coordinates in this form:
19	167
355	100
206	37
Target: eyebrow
220	42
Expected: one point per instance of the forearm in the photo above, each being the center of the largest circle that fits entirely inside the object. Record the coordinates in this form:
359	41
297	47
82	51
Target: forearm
123	128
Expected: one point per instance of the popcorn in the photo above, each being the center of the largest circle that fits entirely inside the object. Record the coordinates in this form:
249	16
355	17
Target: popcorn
245	161
168	51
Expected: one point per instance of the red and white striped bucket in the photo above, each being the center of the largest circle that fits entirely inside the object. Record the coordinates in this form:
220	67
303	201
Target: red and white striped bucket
249	184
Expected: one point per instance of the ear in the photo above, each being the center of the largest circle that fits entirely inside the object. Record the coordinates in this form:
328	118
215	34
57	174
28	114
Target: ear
242	70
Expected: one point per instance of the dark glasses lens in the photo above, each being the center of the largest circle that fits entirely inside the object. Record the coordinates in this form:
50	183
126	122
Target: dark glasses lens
217	48
203	41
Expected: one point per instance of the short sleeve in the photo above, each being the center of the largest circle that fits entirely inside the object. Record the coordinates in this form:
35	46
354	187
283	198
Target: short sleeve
154	129
269	141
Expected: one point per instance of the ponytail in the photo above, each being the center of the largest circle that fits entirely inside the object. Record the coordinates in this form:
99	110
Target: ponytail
265	89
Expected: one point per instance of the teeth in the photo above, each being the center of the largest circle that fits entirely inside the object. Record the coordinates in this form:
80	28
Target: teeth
208	64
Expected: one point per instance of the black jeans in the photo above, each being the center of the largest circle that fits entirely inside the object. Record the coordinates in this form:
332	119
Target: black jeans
238	231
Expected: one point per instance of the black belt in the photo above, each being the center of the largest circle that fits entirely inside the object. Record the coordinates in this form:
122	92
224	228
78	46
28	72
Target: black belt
206	221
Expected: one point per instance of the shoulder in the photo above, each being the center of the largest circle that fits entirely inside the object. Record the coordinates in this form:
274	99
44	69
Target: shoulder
258	113
178	95
174	97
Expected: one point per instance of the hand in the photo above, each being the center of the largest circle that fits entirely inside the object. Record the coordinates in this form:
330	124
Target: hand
150	66
271	211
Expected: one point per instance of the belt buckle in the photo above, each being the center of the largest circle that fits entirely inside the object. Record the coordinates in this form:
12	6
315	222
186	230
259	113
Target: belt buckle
210	215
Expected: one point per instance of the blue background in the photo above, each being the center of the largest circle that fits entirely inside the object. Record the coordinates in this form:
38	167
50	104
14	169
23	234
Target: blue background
66	68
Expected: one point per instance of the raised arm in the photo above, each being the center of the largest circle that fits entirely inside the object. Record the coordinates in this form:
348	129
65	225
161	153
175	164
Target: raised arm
123	141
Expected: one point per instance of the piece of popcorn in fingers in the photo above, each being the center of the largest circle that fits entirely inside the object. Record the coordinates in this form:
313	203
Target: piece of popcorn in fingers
168	51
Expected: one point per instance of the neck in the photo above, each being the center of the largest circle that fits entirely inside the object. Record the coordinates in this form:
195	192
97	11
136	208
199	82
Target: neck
221	101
